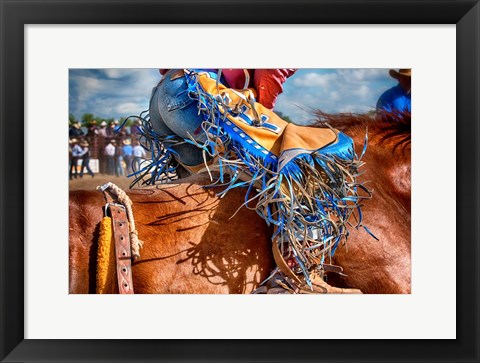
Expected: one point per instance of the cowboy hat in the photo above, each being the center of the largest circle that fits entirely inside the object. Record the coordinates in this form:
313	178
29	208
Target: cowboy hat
127	142
73	141
401	72
84	143
103	123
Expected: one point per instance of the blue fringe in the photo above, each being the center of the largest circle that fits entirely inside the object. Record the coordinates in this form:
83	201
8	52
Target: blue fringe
286	198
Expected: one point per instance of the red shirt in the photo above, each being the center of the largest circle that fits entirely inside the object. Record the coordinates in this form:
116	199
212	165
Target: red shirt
267	82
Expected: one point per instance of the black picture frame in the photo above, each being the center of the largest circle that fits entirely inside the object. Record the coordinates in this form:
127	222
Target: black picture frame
15	14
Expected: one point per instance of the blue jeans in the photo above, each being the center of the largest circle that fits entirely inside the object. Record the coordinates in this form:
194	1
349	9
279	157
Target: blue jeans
118	166
128	163
110	165
85	164
173	112
73	166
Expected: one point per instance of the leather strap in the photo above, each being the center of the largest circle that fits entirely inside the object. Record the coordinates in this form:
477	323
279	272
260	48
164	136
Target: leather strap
123	255
282	265
333	268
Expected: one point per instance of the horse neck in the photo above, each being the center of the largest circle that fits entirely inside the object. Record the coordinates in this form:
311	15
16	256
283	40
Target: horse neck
387	162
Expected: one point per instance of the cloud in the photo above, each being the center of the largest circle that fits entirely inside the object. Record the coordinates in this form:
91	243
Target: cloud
332	91
128	108
114	73
355	108
363	74
315	80
363	91
123	92
111	92
334	95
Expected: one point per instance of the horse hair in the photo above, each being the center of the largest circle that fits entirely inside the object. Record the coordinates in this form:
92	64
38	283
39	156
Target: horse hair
394	126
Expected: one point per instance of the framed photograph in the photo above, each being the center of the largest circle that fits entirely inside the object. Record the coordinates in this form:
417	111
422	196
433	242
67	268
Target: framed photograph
51	309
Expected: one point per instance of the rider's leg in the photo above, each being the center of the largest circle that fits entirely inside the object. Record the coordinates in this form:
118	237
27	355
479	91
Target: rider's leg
172	111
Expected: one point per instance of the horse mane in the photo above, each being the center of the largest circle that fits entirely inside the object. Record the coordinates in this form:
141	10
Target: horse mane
393	127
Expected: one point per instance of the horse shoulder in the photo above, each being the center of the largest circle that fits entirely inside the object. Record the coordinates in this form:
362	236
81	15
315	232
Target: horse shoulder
193	245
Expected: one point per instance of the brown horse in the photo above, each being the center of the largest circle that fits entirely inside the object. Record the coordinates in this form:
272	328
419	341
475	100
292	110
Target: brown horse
383	265
192	245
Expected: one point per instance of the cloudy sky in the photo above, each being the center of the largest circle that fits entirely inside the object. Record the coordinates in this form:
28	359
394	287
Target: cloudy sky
124	92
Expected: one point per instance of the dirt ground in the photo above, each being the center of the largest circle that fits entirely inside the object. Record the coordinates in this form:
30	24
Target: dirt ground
89	183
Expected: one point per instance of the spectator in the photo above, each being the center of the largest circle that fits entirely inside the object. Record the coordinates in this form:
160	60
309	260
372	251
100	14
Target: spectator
121	134
75	131
76	152
128	155
119	161
110	157
101	143
69	155
92	137
136	129
138	155
85	155
111	129
397	98
92	129
102	131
